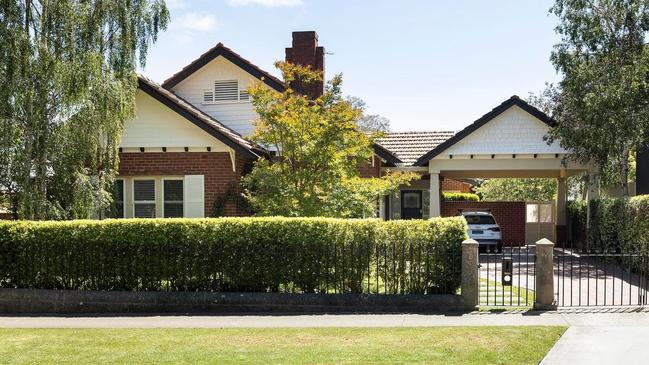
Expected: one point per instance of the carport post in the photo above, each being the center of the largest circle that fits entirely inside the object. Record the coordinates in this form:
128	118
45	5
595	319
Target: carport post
470	275
544	275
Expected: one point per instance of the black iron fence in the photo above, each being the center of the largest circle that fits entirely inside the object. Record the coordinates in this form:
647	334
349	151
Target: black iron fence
392	267
592	277
507	275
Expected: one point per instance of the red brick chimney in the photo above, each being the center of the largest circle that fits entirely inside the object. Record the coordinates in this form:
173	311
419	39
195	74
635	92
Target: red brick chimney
305	52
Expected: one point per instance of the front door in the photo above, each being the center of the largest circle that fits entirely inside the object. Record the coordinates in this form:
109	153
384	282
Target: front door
411	204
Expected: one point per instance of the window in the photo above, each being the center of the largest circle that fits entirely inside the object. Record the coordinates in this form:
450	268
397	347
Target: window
532	213
479	219
425	204
225	91
118	198
144	198
173	198
545	213
411	200
539	213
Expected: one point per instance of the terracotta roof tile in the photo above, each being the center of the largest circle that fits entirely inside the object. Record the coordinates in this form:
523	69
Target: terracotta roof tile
409	146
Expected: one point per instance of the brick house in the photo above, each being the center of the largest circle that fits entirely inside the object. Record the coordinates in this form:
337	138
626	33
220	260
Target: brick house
186	147
184	153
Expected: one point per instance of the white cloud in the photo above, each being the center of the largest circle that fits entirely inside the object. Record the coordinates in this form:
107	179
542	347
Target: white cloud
196	22
268	3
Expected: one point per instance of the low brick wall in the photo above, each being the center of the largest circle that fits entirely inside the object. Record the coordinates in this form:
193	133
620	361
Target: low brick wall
75	301
509	215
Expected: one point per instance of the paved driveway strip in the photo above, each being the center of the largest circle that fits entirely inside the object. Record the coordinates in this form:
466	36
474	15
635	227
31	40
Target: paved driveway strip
343	320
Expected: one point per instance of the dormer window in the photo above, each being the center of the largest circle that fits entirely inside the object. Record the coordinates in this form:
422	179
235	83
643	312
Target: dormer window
225	91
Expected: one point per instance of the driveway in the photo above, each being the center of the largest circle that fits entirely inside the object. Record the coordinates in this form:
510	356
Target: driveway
599	337
578	280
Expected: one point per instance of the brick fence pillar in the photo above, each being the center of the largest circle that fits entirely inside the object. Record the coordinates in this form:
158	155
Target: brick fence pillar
544	275
470	274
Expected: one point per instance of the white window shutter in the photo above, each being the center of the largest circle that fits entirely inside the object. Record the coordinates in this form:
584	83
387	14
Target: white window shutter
194	196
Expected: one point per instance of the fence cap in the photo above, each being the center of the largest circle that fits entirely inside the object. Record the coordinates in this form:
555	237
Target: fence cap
544	242
469	242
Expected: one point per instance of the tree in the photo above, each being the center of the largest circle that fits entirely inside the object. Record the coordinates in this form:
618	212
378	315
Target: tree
369	123
318	149
512	189
67	70
602	102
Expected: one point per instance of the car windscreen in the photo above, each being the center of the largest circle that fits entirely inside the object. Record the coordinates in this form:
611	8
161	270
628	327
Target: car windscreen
480	219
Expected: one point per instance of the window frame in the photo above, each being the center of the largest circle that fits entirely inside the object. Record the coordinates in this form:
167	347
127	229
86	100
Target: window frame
154	201
182	202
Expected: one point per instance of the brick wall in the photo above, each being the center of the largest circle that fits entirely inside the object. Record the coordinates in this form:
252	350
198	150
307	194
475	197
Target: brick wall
366	170
509	215
215	166
456	186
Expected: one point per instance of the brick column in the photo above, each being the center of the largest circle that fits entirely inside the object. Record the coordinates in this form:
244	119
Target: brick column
470	274
544	275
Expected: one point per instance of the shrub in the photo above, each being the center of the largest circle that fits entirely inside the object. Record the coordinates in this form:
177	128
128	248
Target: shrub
464	197
619	224
576	214
302	255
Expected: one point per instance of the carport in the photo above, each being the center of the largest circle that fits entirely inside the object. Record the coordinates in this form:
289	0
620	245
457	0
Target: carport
507	142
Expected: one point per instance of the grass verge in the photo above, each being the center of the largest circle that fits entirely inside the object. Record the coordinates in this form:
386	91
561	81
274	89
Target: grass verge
430	345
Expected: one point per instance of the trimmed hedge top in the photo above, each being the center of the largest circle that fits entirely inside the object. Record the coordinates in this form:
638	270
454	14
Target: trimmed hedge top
317	255
460	197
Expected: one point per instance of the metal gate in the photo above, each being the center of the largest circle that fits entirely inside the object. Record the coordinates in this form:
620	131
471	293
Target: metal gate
507	276
600	278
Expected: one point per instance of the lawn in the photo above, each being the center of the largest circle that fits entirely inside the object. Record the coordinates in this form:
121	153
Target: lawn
431	345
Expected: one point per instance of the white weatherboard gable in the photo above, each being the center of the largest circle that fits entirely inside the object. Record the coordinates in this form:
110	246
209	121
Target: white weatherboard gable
514	131
238	115
156	125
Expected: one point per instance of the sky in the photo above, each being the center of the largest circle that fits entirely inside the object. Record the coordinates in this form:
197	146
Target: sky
425	65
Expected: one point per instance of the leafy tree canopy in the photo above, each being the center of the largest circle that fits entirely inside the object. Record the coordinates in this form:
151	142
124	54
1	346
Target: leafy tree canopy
318	149
369	123
68	84
602	102
511	189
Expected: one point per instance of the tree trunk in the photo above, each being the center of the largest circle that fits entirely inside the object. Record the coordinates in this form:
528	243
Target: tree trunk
624	173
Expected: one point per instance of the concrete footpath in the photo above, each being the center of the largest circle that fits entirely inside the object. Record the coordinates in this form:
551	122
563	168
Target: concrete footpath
595	336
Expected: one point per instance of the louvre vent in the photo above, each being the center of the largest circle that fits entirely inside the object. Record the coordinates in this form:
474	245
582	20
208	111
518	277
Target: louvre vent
243	95
208	96
226	90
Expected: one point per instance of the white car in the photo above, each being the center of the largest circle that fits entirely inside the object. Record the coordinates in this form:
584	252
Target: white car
484	229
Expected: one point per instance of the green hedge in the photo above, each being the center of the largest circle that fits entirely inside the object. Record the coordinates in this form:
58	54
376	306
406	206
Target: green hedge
235	254
576	220
463	197
618	223
615	223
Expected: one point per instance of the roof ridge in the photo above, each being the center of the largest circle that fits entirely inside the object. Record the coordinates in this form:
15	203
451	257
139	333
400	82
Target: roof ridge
500	108
214	52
